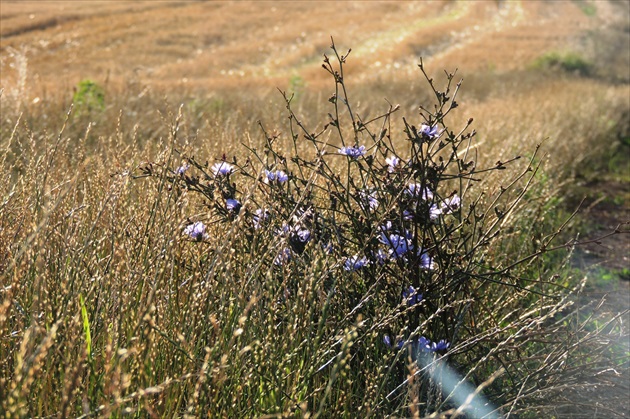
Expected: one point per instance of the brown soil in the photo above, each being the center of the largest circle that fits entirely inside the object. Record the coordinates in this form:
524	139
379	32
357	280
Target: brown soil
607	213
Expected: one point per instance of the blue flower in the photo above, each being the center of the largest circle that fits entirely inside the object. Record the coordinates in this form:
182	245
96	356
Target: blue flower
431	132
232	205
411	296
398	245
353	152
388	225
421	345
451	204
196	231
277	176
283	231
415	190
368	200
182	169
448	206
298	237
393	163
442	345
426	345
281	176
222	169
303	235
435	212
388	341
380	256
426	261
260	216
355	263
283	257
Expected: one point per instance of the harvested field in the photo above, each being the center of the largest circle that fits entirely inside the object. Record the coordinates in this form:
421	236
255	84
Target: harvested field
201	46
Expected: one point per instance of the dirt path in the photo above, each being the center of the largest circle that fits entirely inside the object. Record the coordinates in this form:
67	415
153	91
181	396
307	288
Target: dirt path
607	294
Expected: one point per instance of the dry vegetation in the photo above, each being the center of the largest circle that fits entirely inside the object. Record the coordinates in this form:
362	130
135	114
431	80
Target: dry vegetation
108	309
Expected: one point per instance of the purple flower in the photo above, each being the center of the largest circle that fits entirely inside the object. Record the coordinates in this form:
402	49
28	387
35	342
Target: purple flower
222	169
303	235
426	345
411	296
298	237
415	190
392	163
259	217
368	200
380	256
435	212
281	176
196	231
388	225
283	231
398	245
387	341
232	205
282	257
355	263
182	169
353	152
451	204
426	262
277	176
431	132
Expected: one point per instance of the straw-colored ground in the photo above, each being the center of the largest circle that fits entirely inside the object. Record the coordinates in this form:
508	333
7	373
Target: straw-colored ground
218	45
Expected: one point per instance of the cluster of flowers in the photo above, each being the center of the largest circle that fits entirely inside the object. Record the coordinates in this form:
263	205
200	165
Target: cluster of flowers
395	242
297	236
